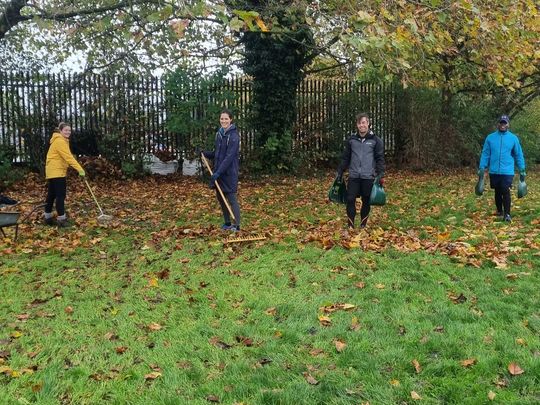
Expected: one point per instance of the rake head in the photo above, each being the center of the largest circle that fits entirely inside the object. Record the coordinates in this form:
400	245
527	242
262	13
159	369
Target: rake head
104	218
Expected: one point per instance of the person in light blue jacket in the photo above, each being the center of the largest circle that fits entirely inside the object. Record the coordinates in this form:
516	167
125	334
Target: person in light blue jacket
500	154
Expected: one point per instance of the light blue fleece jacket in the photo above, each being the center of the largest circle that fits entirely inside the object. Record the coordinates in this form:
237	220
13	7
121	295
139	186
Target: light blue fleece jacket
501	152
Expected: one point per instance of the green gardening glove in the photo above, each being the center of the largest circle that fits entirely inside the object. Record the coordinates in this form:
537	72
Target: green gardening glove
480	172
522	175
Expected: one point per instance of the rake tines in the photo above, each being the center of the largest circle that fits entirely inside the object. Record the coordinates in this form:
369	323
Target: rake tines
239	239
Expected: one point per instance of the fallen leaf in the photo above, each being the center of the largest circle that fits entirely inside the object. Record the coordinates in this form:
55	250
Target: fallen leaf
316	352
154	326
310	379
521	342
271	311
212	398
468	362
152	376
491	395
415	396
380	286
325	320
395	383
121	349
68	310
219	343
244	340
515	369
417	366
360	285
340	345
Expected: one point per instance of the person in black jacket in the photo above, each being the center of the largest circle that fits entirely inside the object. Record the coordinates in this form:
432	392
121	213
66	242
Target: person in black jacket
364	158
226	156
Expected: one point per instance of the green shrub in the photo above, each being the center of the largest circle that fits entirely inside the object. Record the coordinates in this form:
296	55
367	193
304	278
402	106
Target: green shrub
527	126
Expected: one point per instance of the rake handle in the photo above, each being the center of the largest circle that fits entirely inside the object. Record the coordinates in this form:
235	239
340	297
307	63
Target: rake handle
218	187
93	196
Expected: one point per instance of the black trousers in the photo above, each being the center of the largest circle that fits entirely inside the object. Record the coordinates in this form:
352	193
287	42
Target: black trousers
358	188
56	190
501	183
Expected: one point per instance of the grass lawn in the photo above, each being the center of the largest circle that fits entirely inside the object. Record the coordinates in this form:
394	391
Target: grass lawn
436	302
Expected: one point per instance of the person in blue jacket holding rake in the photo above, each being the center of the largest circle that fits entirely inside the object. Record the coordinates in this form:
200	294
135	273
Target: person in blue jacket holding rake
500	154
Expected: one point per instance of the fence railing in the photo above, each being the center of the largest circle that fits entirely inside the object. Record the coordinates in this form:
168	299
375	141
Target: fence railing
136	108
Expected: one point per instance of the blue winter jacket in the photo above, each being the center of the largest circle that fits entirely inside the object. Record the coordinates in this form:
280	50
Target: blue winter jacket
501	152
226	157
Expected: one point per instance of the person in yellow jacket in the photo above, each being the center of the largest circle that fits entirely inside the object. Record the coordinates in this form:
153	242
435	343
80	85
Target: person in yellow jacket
59	158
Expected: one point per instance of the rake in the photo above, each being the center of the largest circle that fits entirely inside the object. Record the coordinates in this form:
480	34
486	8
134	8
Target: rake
244	239
218	187
102	217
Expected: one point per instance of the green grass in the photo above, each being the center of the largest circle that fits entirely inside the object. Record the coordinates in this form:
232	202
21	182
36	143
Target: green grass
241	322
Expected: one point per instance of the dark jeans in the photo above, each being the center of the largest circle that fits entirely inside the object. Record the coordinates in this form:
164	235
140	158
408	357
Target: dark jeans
501	183
358	188
235	207
57	188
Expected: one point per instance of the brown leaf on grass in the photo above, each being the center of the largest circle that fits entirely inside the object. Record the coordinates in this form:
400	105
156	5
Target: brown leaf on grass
216	341
325	320
491	395
271	311
521	342
457	299
152	376
327	309
121	349
415	396
263	361
23	317
68	310
244	340
468	362
340	345
439	329
111	336
154	326
360	285
515	369
212	398
4	354
395	383
37	387
316	352
310	379
417	366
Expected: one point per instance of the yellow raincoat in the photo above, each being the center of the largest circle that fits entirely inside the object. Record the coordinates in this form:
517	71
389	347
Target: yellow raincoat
59	158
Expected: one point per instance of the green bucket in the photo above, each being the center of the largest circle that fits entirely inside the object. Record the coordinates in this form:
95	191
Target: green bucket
378	195
521	189
479	188
338	192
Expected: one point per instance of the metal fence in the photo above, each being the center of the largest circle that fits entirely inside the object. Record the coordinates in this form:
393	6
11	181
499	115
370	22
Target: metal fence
136	108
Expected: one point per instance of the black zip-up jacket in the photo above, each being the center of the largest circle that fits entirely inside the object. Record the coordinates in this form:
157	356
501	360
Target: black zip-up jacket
364	157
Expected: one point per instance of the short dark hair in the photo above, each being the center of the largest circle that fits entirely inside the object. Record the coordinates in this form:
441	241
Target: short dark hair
361	115
228	112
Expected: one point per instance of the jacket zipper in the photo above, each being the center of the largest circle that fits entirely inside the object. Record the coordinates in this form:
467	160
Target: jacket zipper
500	153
